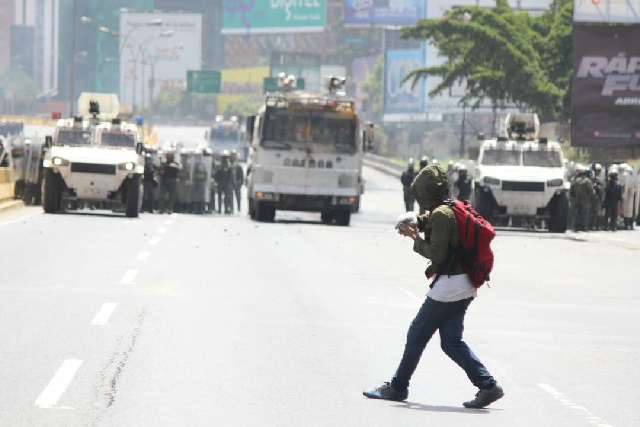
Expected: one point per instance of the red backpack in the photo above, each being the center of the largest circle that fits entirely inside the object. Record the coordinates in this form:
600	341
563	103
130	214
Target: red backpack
476	233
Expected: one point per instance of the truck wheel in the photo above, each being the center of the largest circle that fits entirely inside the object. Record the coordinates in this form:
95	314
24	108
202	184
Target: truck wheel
343	218
133	197
50	192
252	209
265	213
18	189
326	217
559	214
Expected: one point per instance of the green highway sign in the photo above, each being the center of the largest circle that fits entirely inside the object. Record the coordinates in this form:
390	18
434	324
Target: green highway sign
201	81
271	84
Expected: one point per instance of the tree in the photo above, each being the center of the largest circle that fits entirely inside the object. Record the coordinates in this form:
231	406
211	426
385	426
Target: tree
23	88
373	93
492	52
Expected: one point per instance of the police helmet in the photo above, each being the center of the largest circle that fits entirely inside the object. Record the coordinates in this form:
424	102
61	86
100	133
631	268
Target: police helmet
225	153
424	161
410	162
462	167
597	167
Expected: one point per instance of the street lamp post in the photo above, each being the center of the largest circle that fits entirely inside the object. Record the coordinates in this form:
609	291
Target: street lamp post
139	55
72	66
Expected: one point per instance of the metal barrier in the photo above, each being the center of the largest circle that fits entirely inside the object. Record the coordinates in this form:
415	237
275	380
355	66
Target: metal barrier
383	164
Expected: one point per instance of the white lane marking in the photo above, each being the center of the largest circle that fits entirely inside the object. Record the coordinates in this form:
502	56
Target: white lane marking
168	222
155	240
174	215
143	256
409	294
103	315
128	277
22	218
162	230
589	416
58	384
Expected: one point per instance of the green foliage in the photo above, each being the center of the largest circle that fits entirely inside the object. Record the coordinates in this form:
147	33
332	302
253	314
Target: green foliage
247	105
503	56
373	94
24	90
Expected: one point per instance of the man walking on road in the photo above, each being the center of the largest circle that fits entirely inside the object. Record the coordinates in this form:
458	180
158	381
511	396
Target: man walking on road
406	179
449	296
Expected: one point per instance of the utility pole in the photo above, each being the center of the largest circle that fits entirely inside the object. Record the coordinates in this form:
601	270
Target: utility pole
72	66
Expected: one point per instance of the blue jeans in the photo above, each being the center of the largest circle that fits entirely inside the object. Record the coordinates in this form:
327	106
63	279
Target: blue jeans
448	317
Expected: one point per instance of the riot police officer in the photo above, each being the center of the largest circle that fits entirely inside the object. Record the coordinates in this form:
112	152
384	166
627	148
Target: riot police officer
612	200
224	182
406	179
150	182
463	183
582	194
237	177
424	162
169	182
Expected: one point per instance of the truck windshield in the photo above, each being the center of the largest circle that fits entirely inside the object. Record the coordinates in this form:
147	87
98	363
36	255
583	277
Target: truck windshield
223	135
320	134
117	139
545	159
494	157
73	137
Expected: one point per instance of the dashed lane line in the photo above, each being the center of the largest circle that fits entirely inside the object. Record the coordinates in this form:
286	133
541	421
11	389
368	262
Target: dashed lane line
588	415
143	256
154	241
168	222
162	230
58	384
102	318
128	277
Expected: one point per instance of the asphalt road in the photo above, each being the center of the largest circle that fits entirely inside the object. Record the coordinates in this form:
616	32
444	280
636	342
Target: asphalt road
218	320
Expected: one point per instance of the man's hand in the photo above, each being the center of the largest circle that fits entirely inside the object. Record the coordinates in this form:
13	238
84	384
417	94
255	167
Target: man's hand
408	230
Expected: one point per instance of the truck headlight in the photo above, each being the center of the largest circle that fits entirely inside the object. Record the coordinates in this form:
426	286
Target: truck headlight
346	200
129	166
488	180
59	161
264	196
555	182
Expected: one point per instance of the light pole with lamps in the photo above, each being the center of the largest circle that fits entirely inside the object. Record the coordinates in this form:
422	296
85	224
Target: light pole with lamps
124	40
139	53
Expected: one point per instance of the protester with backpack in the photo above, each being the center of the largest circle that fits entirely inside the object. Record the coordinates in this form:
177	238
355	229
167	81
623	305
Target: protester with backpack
452	288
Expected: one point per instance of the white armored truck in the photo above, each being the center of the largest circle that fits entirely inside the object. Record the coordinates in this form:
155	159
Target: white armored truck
306	153
96	161
520	179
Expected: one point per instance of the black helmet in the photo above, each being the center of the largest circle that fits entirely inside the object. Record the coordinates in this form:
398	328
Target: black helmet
424	161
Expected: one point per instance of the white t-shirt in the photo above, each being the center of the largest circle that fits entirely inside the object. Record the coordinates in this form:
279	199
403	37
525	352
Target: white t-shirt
452	288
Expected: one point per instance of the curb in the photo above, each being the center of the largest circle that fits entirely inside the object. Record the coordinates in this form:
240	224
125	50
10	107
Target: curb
10	204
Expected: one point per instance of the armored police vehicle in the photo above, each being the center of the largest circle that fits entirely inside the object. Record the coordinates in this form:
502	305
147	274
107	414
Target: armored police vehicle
94	161
520	179
306	153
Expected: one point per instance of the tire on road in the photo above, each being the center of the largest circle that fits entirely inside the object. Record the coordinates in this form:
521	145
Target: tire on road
559	213
50	192
265	212
133	197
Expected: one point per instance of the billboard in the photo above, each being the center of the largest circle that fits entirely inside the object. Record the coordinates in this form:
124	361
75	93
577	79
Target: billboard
612	11
273	16
239	83
386	12
401	102
362	69
157	56
605	92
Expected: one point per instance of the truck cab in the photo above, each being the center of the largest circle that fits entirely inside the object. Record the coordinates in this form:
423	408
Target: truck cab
520	179
96	161
306	153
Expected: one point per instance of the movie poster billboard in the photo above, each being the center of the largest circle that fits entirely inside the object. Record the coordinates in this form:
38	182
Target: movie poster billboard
361	70
273	16
401	101
384	12
606	86
607	11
